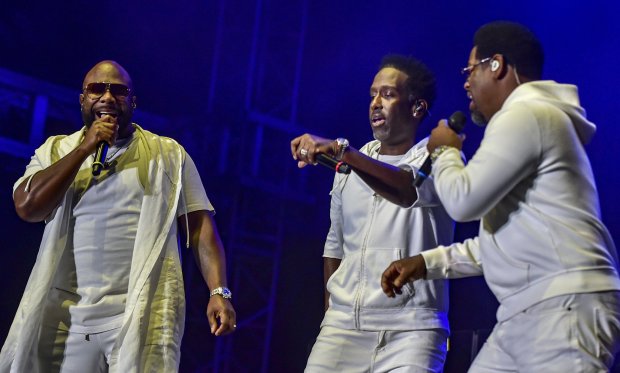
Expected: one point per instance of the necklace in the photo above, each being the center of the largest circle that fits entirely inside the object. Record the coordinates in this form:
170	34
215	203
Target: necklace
110	158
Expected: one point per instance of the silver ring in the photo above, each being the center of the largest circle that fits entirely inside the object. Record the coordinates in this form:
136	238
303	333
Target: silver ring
303	152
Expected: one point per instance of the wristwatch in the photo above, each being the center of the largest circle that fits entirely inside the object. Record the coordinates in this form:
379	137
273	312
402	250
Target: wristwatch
342	144
438	151
223	291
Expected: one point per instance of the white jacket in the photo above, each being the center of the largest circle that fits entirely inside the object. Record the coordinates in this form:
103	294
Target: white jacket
531	184
149	340
368	232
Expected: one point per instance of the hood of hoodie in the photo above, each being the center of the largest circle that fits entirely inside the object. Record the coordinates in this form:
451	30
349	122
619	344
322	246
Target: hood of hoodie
563	96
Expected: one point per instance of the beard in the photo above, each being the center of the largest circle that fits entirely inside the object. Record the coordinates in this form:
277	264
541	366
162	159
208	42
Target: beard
478	118
123	119
381	134
87	117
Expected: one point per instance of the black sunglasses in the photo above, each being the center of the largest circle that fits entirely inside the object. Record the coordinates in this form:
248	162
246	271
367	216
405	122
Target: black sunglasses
96	90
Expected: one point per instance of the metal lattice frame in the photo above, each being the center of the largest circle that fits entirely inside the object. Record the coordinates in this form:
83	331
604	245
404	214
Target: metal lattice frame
272	60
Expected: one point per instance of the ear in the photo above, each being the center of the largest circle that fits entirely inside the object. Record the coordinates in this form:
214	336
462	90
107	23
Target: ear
498	66
419	108
81	102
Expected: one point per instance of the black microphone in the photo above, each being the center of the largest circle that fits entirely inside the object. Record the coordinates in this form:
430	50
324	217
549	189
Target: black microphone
456	122
338	166
102	151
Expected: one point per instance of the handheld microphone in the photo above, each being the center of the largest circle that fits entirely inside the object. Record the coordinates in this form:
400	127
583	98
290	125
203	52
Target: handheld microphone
102	151
456	122
338	166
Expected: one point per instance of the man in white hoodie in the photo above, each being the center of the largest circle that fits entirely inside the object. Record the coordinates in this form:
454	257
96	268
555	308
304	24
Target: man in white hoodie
542	247
379	215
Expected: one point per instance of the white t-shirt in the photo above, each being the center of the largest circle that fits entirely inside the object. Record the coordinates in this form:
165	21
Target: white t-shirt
94	271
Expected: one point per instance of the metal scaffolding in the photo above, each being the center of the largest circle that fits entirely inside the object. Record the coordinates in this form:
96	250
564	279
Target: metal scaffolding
256	148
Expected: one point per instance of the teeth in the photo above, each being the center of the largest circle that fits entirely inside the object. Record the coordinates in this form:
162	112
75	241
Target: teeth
102	113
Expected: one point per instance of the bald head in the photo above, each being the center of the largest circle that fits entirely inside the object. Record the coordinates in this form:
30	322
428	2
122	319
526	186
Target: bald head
118	104
108	71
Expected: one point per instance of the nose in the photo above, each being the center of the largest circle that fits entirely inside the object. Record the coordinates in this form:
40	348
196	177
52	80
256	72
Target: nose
466	84
375	103
107	96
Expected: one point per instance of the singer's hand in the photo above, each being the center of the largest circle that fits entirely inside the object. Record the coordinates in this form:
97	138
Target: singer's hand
400	272
444	135
102	129
221	316
305	148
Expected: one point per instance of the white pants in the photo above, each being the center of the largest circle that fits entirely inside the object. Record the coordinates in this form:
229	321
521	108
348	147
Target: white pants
570	333
348	351
65	352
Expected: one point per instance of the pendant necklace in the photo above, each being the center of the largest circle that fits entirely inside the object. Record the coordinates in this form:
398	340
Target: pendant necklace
109	159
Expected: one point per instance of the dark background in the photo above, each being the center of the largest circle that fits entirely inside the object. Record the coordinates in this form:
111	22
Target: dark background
234	82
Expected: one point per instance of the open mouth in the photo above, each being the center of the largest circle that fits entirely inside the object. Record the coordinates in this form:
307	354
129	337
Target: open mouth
101	113
377	120
472	103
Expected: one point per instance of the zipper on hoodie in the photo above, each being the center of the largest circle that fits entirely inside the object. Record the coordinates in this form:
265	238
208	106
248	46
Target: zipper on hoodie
358	296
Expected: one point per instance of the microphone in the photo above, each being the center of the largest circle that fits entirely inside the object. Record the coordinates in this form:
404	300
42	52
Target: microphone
456	122
338	166
102	151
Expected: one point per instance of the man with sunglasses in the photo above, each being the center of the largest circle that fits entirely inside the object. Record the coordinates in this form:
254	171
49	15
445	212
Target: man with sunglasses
106	291
542	247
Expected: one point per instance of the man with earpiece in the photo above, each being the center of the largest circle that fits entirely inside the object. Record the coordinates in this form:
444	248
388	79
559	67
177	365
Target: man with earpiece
541	247
379	215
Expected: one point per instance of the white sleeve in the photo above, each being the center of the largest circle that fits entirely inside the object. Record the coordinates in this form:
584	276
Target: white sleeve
427	195
333	243
461	259
194	195
507	154
38	161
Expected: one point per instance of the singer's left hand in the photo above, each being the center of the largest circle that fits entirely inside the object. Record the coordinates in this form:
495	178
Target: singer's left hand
305	148
221	315
444	135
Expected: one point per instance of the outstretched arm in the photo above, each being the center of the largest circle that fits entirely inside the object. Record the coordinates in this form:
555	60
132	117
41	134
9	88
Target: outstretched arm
392	183
461	259
209	253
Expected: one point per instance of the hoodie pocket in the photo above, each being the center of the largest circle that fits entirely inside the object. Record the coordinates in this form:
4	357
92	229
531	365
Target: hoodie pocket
376	260
342	284
503	272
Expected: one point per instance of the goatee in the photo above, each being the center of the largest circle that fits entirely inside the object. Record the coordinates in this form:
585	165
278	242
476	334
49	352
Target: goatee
478	118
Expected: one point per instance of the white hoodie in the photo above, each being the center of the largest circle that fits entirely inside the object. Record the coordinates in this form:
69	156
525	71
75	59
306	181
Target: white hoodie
531	184
368	232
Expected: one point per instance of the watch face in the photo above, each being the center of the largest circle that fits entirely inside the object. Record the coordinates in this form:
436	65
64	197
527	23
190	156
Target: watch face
224	292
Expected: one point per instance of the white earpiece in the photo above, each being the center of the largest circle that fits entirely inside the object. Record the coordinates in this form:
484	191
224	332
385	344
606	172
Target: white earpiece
494	65
419	108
